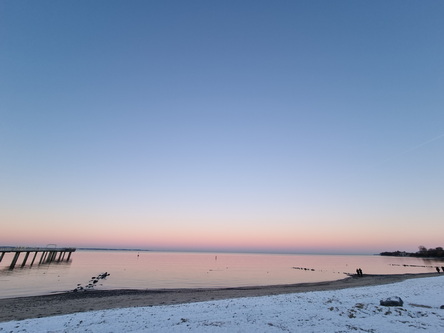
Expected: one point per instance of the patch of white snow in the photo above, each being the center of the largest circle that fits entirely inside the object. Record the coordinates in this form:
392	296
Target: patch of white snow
347	310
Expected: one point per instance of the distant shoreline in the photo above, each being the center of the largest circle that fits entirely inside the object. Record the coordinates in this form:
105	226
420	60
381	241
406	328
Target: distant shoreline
437	253
66	303
103	249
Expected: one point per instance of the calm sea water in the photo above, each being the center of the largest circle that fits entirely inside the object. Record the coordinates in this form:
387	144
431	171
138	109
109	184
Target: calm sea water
153	270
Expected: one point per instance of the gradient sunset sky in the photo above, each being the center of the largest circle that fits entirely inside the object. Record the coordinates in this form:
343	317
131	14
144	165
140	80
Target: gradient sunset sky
282	126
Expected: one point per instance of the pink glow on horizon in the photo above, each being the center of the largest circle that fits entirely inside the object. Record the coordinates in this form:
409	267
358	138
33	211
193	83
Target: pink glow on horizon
256	240
217	235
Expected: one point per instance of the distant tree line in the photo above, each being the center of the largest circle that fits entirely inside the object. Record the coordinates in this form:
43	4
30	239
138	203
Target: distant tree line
423	252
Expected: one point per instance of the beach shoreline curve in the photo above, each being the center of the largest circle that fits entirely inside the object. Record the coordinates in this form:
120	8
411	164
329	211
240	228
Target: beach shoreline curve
20	308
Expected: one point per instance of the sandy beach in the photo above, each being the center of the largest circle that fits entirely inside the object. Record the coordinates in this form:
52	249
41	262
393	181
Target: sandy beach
68	303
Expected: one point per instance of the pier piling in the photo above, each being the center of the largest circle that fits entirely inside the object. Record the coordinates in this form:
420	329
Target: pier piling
35	255
26	258
14	260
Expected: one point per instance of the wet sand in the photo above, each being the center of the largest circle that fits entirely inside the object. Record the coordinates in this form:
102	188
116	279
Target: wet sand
66	303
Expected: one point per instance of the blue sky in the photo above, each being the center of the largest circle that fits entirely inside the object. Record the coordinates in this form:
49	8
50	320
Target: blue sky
290	125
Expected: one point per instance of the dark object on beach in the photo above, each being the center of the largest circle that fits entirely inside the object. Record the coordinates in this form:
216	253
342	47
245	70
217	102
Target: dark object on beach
392	301
359	272
442	307
437	269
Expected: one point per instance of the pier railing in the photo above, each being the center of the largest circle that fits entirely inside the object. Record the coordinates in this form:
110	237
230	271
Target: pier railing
48	254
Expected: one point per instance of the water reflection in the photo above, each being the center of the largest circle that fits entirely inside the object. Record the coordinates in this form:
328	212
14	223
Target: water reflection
154	270
43	265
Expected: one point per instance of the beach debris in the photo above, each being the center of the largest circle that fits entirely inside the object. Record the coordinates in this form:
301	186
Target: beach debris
92	283
392	301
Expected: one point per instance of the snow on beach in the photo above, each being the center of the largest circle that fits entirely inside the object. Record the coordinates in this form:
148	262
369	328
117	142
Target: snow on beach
347	310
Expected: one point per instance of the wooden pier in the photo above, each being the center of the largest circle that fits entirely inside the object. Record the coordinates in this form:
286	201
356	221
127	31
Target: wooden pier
48	254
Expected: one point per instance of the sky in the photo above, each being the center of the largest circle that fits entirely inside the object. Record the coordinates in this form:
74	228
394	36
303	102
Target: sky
275	126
